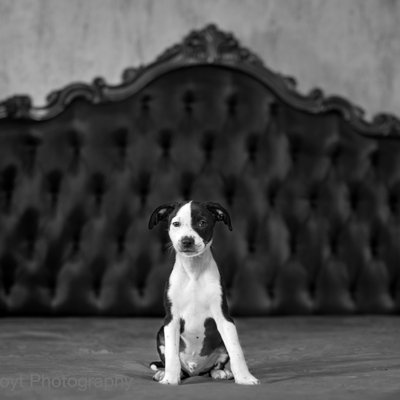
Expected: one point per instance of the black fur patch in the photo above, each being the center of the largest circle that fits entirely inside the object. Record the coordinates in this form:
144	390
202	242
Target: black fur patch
164	213
161	342
220	213
181	325
167	305
224	303
182	345
203	221
212	338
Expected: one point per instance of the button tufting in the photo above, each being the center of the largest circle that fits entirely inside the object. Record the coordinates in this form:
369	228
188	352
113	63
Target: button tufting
7	183
375	158
313	197
374	245
120	243
293	244
188	100
31	144
294	149
354	197
8	267
97	185
232	103
75	141
230	186
335	154
53	185
186	185
120	137
98	268
145	102
252	146
334	245
272	192
393	201
274	108
208	143
165	141
142	186
28	225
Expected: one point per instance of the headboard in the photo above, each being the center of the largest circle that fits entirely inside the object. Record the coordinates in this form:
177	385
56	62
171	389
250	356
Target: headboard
312	187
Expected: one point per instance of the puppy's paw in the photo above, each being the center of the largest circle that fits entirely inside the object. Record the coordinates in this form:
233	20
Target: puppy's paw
159	375
221	374
170	380
247	380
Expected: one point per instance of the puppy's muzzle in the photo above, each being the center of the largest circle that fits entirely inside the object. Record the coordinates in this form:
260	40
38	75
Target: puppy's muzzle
187	244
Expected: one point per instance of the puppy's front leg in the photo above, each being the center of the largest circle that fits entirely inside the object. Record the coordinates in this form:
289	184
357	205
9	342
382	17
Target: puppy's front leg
172	362
230	337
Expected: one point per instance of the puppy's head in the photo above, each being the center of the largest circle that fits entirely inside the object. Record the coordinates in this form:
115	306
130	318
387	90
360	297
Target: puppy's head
190	224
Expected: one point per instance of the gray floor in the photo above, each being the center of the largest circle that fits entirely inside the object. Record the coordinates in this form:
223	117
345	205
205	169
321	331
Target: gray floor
295	358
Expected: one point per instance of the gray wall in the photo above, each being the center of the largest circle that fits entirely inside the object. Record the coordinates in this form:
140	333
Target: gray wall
347	47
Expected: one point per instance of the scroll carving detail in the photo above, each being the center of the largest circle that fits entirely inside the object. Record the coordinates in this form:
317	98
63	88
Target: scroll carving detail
208	46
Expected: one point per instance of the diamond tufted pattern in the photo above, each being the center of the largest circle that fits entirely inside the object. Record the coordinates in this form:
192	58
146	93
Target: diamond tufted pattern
315	206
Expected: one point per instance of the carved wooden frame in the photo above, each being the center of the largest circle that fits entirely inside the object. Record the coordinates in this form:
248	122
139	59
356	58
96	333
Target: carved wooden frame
208	46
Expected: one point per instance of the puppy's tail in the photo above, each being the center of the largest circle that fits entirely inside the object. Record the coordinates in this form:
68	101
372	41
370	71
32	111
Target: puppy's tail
156	365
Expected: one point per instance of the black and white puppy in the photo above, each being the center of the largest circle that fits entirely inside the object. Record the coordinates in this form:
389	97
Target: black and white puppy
198	335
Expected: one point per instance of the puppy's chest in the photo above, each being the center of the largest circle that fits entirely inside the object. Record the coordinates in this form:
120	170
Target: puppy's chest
192	301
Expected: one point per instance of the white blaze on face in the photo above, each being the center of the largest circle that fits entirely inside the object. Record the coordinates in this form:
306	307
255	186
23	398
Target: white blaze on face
181	227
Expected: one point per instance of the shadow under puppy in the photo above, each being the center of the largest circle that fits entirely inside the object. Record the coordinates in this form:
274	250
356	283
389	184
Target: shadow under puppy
198	335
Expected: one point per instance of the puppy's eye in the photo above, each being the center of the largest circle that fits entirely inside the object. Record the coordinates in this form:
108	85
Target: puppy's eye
176	224
202	223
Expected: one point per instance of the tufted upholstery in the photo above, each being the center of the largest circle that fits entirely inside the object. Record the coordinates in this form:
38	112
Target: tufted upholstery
315	206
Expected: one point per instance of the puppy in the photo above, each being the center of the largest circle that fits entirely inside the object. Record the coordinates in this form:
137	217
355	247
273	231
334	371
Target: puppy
198	336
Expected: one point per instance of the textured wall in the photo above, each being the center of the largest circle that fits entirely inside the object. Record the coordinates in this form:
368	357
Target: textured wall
351	48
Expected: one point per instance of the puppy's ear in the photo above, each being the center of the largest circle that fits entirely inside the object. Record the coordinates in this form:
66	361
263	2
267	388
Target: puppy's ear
220	214
161	213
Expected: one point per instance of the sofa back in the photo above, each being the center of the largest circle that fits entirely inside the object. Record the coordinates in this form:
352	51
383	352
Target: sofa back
312	188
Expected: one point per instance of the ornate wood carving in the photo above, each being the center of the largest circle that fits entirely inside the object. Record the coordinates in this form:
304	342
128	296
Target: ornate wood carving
208	46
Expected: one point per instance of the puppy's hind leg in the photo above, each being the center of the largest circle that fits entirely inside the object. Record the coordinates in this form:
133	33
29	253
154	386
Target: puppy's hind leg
221	373
158	367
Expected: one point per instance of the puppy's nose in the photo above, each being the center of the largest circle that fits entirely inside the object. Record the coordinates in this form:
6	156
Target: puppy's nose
187	241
